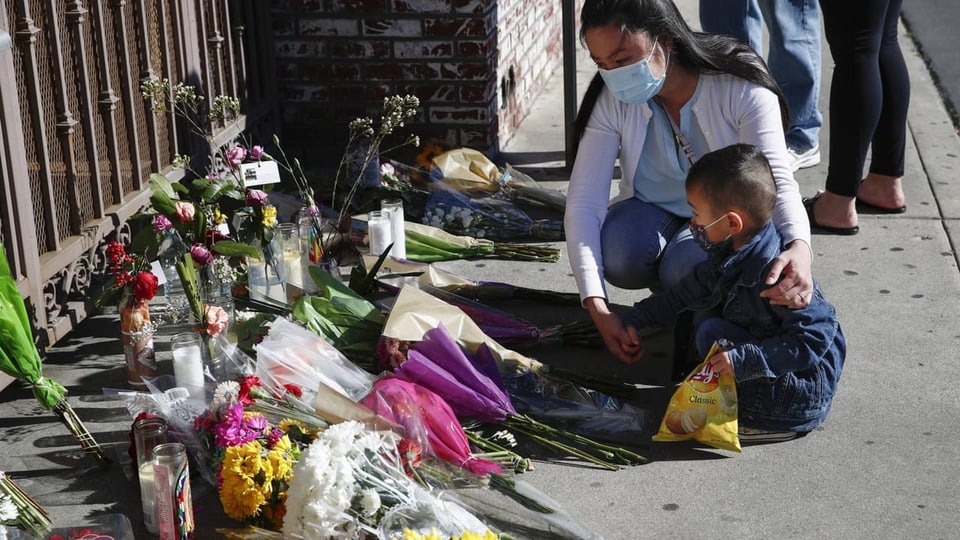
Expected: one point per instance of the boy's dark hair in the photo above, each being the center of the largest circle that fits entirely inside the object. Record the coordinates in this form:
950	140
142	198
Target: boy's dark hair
737	177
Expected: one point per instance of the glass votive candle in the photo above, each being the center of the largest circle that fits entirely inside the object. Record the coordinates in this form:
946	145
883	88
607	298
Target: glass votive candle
188	363
394	209
379	232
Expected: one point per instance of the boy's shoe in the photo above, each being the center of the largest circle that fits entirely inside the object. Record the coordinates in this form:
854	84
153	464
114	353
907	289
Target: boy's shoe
802	160
760	436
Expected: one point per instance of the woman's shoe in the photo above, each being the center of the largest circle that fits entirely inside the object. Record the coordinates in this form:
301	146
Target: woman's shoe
808	203
880	209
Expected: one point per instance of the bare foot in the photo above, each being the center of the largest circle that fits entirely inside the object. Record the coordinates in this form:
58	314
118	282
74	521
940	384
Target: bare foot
882	191
834	210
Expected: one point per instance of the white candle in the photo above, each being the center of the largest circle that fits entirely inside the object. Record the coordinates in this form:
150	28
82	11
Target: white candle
188	369
148	494
394	209
379	231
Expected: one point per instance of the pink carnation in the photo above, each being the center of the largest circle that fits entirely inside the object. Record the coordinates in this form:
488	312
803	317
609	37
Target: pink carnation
256	152
185	211
256	197
201	255
216	320
162	223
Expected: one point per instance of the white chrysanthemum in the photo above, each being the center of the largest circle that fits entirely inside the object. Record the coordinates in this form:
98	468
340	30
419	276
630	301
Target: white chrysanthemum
226	394
8	510
370	502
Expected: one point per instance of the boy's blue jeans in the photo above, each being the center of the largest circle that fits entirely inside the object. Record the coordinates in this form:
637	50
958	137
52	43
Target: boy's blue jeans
793	27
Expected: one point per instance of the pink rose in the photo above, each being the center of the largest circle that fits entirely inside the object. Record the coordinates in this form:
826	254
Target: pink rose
201	255
185	211
256	198
234	157
161	223
256	152
216	320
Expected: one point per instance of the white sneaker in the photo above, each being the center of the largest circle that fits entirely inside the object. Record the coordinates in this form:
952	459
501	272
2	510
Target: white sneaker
802	160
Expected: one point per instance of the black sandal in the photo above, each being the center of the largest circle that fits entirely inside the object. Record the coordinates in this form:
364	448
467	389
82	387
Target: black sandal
808	203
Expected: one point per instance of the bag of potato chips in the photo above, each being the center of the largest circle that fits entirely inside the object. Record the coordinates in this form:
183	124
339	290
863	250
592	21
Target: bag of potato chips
703	408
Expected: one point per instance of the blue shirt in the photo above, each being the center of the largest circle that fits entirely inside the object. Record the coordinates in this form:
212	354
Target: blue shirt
662	169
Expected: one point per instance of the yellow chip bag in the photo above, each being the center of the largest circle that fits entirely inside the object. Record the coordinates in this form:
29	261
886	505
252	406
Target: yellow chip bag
703	408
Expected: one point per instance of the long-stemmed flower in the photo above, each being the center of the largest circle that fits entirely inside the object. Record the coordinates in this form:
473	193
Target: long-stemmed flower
428	420
20	509
20	359
474	389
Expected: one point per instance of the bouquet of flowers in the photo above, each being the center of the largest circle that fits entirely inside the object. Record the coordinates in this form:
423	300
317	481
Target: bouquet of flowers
20	359
350	482
473	387
253	458
486	217
426	243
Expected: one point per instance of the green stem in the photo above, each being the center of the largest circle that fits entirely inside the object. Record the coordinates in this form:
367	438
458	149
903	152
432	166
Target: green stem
622	453
543	441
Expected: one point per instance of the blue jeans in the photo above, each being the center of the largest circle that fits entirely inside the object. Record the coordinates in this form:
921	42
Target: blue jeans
794	58
644	246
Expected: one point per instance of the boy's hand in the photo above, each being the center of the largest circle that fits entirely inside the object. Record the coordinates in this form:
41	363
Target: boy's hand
720	363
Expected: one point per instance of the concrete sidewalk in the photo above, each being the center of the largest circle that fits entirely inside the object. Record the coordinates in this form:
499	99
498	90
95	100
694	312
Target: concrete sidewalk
885	463
883	466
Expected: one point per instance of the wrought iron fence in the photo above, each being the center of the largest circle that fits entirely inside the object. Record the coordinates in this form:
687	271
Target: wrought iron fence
78	141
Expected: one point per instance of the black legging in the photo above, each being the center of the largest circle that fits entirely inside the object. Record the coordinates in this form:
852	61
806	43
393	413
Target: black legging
869	93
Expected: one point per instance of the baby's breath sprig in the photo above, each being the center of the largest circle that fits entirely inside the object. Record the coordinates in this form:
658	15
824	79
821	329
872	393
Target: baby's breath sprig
396	110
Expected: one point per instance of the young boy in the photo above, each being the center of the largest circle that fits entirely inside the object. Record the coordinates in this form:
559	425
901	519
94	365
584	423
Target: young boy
786	361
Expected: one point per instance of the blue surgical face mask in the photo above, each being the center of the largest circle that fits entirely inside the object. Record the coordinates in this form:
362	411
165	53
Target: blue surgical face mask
634	83
699	233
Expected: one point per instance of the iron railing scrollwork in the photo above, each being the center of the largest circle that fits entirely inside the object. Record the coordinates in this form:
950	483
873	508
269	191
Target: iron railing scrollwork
78	141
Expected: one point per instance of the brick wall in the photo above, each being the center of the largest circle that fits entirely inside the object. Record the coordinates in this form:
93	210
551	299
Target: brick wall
476	66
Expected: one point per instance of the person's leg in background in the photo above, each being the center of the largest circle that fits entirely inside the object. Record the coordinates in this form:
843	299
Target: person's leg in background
738	18
856	103
882	187
794	60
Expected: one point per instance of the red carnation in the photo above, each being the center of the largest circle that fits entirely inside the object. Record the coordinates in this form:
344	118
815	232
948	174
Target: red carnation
145	286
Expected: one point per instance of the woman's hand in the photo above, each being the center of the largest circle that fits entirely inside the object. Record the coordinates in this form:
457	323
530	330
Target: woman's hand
622	341
790	277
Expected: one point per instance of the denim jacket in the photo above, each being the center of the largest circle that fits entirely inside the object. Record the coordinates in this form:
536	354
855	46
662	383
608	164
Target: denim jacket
787	372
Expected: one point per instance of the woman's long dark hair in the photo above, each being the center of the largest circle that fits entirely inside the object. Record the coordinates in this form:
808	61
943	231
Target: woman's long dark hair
696	51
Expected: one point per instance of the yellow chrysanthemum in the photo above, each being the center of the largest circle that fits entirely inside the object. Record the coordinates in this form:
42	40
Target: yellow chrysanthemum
241	497
468	535
282	466
287	423
244	460
219	217
269	216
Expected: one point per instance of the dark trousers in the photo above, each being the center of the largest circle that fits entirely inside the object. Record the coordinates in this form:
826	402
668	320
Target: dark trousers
869	93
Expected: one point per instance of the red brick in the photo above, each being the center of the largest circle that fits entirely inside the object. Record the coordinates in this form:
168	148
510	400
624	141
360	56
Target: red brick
459	115
298	49
329	27
431	93
457	27
421	6
471	49
393	27
360	48
422	49
478	92
388	72
472	6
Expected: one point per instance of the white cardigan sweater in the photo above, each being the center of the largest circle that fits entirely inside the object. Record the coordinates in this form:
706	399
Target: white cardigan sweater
729	110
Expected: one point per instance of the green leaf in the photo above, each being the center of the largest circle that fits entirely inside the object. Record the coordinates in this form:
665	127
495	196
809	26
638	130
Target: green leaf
230	248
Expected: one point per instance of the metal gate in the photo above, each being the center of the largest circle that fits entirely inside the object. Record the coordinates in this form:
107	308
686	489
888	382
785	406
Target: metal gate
78	141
